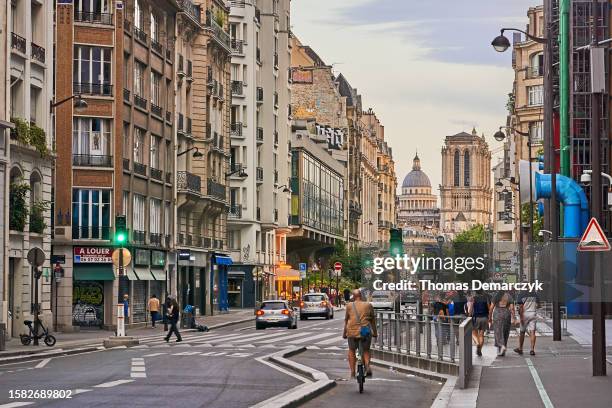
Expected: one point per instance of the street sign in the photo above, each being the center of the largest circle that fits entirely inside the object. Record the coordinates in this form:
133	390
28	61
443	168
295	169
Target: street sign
303	266
338	266
92	255
302	274
593	239
36	256
315	267
127	257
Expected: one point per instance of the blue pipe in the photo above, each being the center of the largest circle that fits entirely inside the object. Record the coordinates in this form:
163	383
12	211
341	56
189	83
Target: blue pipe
540	208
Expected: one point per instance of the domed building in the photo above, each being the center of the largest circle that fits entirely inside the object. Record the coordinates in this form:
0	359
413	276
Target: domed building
418	213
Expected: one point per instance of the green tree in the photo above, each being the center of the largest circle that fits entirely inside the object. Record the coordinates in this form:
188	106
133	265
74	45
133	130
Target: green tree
472	243
538	222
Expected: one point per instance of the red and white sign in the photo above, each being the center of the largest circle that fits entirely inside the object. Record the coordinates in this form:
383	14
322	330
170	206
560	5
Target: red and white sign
594	238
93	255
338	266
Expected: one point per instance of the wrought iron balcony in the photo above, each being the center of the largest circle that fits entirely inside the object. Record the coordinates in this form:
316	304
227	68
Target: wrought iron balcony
275	176
156	46
237	88
126	95
94	232
259	174
93	18
89	88
237	46
188	181
236	168
260	94
38	53
218	32
156	110
260	135
234	211
92	160
192	9
236	129
126	164
140	35
155	239
215	189
140	101
138	237
156	173
18	43
140	168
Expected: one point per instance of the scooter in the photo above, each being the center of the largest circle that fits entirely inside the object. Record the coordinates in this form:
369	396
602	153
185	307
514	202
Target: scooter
26	339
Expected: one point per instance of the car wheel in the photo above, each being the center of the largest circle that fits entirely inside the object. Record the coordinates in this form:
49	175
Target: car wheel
259	326
332	316
302	317
327	316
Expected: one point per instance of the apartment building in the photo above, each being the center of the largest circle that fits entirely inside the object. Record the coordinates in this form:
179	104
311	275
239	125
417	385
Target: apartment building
26	159
369	177
259	157
203	103
118	155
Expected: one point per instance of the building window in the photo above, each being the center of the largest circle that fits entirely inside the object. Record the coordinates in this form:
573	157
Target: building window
138	15
536	65
155	144
139	78
536	131
125	202
466	169
138	213
91	140
139	145
92	70
92	6
90	214
126	140
155	88
536	95
154	27
155	216
456	169
167	219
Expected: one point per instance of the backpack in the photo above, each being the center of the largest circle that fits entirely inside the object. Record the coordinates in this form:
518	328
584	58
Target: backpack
480	308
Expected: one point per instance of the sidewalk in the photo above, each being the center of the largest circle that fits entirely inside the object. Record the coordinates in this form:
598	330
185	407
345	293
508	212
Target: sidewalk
96	336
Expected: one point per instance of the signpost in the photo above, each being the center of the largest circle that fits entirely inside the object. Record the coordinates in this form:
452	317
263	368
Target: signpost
593	239
338	271
121	258
36	258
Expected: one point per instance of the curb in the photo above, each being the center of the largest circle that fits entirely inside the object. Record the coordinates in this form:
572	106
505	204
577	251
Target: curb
86	346
317	382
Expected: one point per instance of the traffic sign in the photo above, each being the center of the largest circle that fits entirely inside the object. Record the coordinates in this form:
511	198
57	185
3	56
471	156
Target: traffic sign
303	266
338	266
593	239
36	256
127	257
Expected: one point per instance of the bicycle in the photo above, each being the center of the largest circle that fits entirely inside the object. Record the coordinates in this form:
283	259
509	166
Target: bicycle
26	339
361	374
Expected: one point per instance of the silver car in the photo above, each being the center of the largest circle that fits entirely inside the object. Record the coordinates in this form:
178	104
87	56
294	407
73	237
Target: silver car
316	305
275	313
382	300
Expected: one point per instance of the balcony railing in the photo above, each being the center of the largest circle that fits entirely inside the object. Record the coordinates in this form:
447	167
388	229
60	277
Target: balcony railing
215	189
237	46
179	127
138	237
188	181
236	168
126	95
155	239
192	9
38	53
234	211
189	128
236	129
156	46
87	232
259	174
156	110
126	164
92	160
260	94
237	87
140	35
93	18
275	215
276	60
168	240
258	213
18	43
88	88
218	32
140	168
258	55
156	173
260	135
275	176
140	101
535	72
168	116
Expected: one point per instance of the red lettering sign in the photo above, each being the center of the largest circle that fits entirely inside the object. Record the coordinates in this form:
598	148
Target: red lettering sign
93	255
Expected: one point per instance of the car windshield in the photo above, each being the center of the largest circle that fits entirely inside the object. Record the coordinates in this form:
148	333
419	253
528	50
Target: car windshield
314	298
273	306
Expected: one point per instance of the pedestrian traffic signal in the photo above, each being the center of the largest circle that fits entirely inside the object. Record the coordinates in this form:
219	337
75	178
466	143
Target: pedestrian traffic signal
121	234
396	243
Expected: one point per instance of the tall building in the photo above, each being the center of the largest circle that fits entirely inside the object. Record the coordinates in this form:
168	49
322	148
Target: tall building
27	158
418	214
202	105
387	182
117	155
260	131
465	191
369	199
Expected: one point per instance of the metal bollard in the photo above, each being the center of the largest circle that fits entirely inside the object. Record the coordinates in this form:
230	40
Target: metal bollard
2	336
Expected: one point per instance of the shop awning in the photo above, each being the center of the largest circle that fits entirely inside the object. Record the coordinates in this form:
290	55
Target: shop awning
130	274
93	272
236	273
287	275
159	274
144	274
221	260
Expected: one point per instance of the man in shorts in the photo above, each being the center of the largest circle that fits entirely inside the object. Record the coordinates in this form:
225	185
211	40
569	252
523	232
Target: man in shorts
358	314
528	305
479	311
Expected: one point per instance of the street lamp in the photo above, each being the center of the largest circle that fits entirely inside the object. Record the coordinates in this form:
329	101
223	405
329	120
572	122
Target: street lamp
80	104
195	154
501	43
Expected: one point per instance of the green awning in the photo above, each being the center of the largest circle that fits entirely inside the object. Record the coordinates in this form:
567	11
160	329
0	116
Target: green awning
143	274
158	274
130	274
93	272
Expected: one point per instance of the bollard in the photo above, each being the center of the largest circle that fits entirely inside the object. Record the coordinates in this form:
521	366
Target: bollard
2	336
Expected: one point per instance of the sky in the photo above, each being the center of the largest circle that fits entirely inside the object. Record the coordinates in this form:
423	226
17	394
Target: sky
425	67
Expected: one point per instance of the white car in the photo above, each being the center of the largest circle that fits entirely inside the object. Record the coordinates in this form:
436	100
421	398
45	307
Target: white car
382	300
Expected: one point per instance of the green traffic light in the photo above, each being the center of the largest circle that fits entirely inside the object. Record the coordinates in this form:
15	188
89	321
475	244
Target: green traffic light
120	237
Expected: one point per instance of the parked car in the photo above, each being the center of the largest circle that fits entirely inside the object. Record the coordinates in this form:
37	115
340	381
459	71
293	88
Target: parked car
382	300
275	313
316	305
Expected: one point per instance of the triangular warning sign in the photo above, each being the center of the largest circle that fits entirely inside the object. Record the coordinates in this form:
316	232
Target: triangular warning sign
593	238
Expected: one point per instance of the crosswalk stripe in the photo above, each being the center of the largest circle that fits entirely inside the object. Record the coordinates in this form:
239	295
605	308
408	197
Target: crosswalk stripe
331	341
318	336
255	340
286	338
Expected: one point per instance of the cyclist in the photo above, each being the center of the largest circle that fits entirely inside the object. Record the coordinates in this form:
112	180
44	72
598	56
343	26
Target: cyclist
359	314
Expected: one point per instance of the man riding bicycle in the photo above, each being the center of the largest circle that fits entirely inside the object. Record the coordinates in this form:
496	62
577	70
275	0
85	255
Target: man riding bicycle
359	314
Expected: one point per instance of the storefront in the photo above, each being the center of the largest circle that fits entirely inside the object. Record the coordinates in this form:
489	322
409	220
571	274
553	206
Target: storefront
219	281
288	284
191	280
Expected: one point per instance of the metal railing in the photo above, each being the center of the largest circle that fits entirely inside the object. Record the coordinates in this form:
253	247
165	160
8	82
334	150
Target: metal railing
155	239
38	52
215	189
156	46
93	18
126	95
259	174
218	32
190	8
94	232
237	46
188	181
427	337
236	129
237	87
260	134
91	160
156	173
18	43
140	101
138	237
89	88
234	211
140	168
140	35
260	94
156	110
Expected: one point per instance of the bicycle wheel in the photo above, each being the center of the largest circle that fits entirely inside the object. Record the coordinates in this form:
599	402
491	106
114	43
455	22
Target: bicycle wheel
360	377
50	340
25	339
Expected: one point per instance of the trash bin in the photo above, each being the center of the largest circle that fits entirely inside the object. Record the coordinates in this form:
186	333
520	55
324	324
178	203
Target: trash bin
2	336
188	318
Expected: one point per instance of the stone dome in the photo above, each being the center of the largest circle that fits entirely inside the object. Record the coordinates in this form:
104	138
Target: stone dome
416	178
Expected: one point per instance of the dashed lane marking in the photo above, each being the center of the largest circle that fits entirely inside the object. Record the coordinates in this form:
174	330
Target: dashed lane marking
154	354
138	368
43	363
16	404
80	391
113	383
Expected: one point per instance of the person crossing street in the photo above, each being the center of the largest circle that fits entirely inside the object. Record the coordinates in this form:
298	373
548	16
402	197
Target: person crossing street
173	318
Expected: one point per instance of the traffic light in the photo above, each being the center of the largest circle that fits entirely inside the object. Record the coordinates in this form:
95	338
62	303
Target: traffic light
396	243
121	234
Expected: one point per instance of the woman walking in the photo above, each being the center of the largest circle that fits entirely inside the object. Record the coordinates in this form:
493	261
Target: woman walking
502	316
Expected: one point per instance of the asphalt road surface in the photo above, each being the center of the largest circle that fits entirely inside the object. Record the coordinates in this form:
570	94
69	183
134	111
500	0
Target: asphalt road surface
222	368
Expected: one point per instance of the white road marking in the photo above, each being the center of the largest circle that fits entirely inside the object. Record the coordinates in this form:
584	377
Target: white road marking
252	340
186	353
113	383
263	360
214	353
138	375
16	404
138	363
538	382
318	336
138	369
80	391
331	341
42	363
287	338
137	359
240	354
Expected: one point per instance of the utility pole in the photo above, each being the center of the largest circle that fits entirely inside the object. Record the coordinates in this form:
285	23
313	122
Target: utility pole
597	86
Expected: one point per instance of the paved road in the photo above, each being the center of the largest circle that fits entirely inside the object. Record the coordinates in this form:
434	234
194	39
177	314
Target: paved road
215	369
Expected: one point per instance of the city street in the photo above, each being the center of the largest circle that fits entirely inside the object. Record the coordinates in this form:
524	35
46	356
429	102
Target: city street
222	368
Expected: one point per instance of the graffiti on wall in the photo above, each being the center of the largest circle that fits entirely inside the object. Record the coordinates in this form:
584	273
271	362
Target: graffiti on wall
88	303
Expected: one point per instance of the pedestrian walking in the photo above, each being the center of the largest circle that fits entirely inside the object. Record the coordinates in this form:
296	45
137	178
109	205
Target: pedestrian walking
153	307
502	317
126	307
478	309
173	318
528	305
440	320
